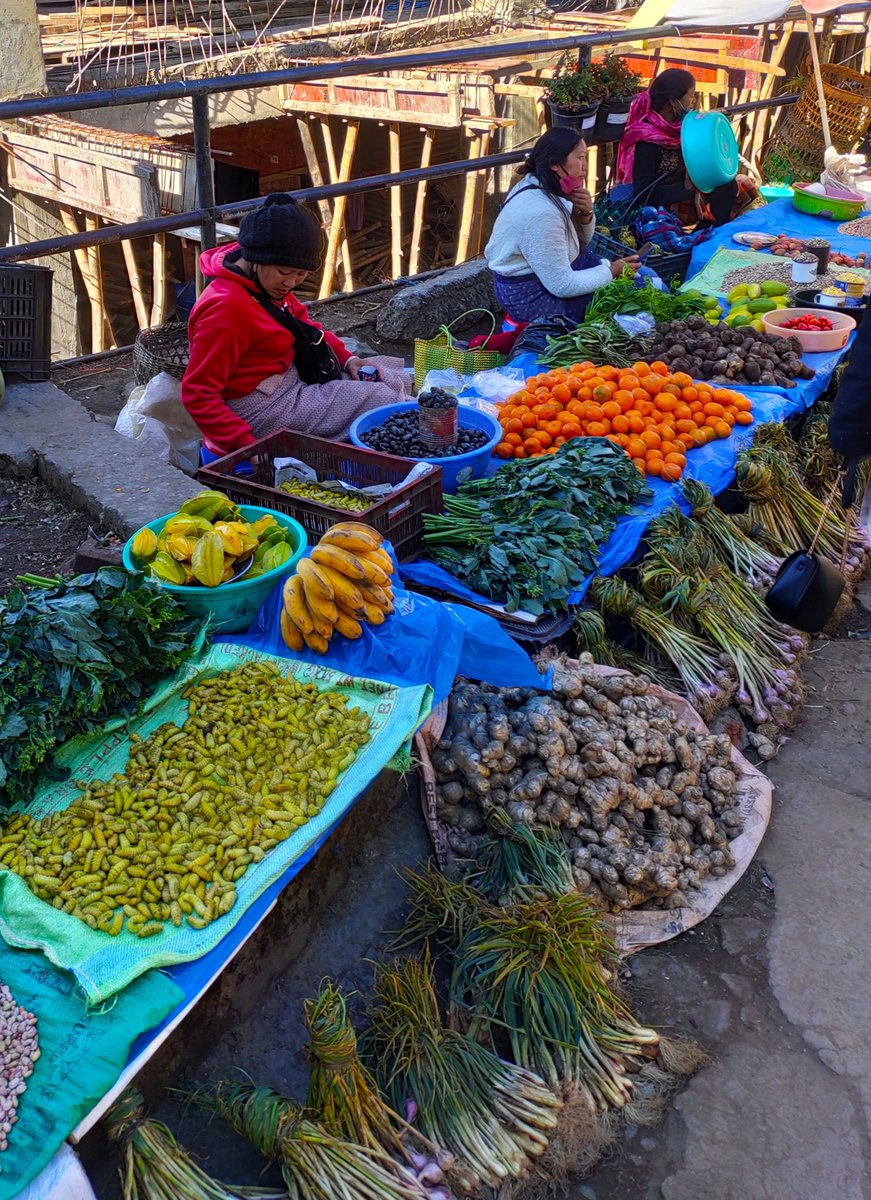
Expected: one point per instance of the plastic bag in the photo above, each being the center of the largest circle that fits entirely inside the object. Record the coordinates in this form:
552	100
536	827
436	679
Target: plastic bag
533	339
481	390
155	417
639	325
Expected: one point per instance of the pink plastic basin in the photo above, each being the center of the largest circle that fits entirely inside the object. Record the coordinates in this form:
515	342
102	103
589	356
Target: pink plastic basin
813	341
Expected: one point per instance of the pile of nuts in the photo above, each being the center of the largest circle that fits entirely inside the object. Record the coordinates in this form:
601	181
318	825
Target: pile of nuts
19	1050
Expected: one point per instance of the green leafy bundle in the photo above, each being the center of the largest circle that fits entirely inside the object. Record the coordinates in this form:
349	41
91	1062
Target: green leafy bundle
624	297
531	533
72	656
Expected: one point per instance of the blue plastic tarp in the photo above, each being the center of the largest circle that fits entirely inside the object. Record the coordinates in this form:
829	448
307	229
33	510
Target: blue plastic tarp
713	464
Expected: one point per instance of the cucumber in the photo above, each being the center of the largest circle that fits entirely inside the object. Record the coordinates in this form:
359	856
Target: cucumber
757	307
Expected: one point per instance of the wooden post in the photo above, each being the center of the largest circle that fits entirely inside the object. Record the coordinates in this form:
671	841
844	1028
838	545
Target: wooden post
762	118
420	204
481	189
344	244
158	270
205	168
338	222
468	211
395	204
135	283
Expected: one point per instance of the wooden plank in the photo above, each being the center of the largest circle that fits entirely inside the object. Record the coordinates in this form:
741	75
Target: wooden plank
103	184
135	278
83	261
420	203
99	315
395	203
341	204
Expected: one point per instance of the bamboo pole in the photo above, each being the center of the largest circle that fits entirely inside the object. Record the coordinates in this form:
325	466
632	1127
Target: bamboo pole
468	211
818	76
344	245
135	278
338	223
83	261
420	204
158	269
395	203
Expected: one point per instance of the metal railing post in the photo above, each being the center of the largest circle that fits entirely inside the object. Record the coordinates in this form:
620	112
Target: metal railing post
205	170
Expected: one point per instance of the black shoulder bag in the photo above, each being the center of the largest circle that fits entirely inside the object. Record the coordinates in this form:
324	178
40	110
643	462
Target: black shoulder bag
313	356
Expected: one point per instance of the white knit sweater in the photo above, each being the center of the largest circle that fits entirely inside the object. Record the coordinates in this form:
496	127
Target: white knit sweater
532	237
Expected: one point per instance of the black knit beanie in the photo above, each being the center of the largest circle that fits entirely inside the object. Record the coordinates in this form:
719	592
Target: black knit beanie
281	233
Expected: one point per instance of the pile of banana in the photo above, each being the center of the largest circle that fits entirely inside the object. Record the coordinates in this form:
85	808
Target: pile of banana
207	539
344	584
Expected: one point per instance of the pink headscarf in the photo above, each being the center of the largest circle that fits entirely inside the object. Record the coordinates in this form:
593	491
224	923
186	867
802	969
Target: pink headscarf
643	125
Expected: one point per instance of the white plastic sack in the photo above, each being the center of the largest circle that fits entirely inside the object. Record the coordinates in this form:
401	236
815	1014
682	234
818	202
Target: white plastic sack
155	417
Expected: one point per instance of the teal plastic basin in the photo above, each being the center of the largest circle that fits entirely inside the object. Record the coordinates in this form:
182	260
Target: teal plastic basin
231	606
710	149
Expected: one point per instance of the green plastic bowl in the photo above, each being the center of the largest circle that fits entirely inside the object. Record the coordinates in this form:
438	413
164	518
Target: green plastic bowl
231	606
710	149
839	210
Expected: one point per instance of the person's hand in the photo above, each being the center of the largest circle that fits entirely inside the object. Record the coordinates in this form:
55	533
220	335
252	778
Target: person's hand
582	202
352	366
632	262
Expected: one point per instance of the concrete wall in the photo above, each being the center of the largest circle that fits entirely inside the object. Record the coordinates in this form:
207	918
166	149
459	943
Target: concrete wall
172	117
23	69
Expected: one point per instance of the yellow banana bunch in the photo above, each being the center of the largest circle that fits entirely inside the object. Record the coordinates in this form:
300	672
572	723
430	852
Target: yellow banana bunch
344	584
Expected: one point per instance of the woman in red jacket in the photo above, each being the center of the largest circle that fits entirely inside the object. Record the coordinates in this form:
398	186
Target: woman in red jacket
257	363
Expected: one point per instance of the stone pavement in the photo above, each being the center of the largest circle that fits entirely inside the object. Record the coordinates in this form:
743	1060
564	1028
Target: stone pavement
776	983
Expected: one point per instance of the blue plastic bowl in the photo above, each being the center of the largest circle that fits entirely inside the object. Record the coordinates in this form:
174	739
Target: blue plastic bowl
710	149
456	470
231	606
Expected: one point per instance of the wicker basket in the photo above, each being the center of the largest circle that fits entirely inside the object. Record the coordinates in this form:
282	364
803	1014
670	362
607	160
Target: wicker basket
163	348
848	101
794	154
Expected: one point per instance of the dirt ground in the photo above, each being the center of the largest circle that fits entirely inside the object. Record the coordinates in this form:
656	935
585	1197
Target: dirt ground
39	534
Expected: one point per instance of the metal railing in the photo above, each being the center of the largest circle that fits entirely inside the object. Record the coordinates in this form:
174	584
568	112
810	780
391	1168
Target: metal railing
198	91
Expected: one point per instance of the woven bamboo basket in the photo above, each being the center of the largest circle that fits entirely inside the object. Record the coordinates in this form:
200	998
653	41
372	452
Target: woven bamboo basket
163	348
848	101
794	154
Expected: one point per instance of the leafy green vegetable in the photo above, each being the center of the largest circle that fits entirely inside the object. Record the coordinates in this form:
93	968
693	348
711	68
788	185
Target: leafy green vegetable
622	296
74	654
600	342
531	533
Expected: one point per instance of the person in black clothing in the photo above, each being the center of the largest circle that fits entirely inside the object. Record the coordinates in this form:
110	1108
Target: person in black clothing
850	422
650	155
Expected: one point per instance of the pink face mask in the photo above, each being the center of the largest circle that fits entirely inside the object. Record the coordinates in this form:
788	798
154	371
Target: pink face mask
571	183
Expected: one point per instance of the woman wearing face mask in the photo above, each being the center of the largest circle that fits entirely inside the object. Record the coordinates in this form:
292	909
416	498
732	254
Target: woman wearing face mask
650	158
539	249
257	363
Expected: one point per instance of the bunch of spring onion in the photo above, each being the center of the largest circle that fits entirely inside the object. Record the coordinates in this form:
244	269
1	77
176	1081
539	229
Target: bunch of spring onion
315	1164
683	573
521	861
819	461
780	501
747	558
537	972
154	1165
343	1096
592	638
704	673
492	1115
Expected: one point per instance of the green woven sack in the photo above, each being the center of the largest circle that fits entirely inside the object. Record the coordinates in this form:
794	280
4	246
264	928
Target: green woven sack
440	353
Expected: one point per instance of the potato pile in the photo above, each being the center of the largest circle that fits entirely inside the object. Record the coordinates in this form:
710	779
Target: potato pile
646	805
728	356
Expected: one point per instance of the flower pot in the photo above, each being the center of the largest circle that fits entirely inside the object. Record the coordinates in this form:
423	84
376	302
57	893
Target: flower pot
582	119
611	120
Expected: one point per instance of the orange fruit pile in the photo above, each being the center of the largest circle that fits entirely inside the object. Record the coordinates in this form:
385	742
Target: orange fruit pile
655	416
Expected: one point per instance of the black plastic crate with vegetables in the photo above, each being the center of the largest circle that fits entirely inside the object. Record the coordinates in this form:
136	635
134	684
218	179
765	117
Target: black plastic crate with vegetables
399	516
25	321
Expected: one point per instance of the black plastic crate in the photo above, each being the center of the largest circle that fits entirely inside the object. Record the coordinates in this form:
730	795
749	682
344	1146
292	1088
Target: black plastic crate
25	321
